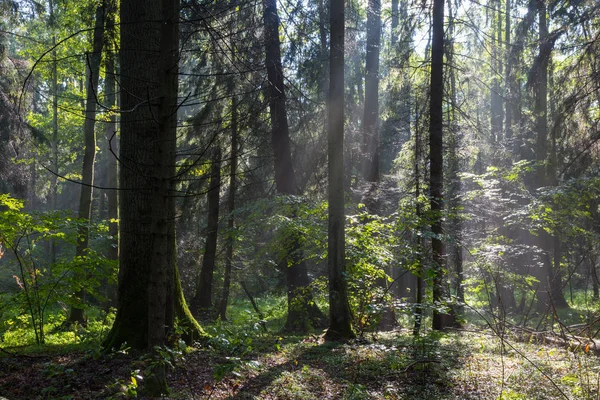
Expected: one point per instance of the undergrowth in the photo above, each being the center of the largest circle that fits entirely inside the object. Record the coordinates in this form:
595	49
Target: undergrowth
243	361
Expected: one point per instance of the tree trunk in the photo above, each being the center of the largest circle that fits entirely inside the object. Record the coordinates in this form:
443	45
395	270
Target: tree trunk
149	57
230	209
370	142
302	312
339	310
76	313
230	237
54	144
112	153
550	290
371	105
436	163
595	280
394	34
323	79
508	77
454	180
418	311
202	301
496	64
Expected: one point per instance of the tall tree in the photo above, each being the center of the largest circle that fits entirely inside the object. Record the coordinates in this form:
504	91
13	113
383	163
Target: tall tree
395	12
302	311
454	180
111	146
202	300
551	287
54	143
233	167
436	163
148	278
230	240
497	67
508	75
94	58
339	310
370	163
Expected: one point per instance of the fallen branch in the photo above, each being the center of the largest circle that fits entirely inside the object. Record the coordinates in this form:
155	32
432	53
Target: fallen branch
570	342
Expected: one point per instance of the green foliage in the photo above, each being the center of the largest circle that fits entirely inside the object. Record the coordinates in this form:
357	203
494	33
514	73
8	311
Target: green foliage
40	284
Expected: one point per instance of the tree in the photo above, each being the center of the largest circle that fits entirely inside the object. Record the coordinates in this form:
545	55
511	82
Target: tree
551	287
436	163
339	311
202	300
222	307
302	311
87	181
371	110
149	292
233	168
111	149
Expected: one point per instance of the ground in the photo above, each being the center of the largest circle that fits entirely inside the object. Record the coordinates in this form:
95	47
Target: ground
463	364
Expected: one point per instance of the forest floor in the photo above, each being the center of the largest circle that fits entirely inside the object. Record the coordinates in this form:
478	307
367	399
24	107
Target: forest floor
460	364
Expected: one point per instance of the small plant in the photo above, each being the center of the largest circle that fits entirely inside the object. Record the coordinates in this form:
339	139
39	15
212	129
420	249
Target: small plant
126	388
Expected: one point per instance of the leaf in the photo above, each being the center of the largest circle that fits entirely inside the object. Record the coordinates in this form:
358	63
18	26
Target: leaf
587	348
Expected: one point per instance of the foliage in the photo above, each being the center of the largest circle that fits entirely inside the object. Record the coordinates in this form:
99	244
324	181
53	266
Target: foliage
41	285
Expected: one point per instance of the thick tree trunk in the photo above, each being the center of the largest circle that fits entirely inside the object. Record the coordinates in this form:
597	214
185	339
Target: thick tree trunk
202	301
436	163
339	310
149	58
76	314
301	309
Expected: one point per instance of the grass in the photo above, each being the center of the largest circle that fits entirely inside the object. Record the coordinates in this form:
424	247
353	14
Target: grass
243	362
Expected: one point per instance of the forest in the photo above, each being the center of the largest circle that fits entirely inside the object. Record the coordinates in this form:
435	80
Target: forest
300	199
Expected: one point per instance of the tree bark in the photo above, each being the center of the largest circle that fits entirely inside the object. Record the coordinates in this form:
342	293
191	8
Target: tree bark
76	313
149	293
339	310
